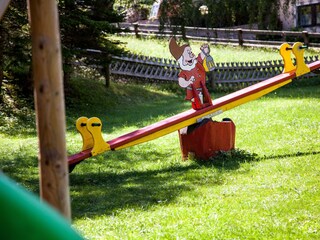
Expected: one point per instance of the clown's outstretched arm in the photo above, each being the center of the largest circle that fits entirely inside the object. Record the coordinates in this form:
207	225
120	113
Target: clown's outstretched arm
185	83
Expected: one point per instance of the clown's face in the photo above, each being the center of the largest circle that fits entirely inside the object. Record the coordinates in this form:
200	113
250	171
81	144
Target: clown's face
188	60
188	57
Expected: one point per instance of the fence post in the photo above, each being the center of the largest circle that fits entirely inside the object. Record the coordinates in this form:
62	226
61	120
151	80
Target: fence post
136	30
283	36
107	75
240	37
215	33
305	36
208	35
212	79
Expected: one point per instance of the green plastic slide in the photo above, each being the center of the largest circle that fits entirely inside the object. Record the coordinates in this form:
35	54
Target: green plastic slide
24	216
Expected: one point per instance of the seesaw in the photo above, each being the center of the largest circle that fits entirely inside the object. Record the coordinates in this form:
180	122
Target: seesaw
90	129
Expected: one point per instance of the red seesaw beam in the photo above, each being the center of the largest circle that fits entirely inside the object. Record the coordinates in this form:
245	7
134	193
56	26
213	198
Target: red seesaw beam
191	116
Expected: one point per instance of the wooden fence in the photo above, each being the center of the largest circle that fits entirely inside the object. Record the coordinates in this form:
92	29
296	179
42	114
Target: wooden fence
148	68
238	36
225	76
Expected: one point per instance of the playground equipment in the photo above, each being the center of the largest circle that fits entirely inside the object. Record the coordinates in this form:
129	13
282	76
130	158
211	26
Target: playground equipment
92	139
208	62
23	216
206	138
192	76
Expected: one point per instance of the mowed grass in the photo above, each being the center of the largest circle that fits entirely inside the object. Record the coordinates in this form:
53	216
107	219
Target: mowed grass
267	189
221	53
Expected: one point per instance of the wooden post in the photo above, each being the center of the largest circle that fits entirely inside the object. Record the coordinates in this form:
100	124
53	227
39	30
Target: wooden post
3	6
107	75
240	37
283	37
212	79
49	104
305	36
136	30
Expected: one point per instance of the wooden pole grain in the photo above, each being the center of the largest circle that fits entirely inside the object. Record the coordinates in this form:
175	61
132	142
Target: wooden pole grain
49	104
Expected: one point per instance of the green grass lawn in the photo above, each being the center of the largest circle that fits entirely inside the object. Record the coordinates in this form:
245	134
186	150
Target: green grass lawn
221	53
267	189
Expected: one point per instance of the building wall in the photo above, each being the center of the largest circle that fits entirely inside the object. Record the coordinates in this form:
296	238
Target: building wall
289	15
306	2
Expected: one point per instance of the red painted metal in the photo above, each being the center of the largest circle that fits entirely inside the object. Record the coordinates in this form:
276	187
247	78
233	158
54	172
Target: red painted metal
313	66
206	94
196	105
206	138
78	157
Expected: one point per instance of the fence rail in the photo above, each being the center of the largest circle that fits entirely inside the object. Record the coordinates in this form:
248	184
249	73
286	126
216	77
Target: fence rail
237	36
226	75
137	66
231	75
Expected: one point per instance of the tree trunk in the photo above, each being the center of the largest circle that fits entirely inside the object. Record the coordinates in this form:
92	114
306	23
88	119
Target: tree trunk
69	7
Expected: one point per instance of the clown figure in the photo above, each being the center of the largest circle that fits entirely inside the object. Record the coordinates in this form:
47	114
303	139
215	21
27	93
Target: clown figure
193	71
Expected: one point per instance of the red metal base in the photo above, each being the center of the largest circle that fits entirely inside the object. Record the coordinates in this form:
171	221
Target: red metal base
205	139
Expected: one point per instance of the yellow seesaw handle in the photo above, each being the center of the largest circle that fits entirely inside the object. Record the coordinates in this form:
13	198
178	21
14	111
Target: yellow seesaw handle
298	51
285	52
87	139
94	126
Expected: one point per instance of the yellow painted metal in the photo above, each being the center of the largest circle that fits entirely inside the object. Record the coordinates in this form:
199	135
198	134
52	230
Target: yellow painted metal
208	63
285	52
87	139
302	67
193	120
205	65
94	126
254	96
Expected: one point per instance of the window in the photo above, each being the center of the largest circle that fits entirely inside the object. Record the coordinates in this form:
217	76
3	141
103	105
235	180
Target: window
309	15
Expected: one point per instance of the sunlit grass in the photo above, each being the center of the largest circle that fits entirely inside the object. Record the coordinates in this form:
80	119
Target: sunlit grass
267	189
221	53
270	190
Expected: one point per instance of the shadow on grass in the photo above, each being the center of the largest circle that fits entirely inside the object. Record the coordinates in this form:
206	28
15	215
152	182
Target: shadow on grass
230	160
117	106
107	191
297	154
121	104
104	188
22	169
